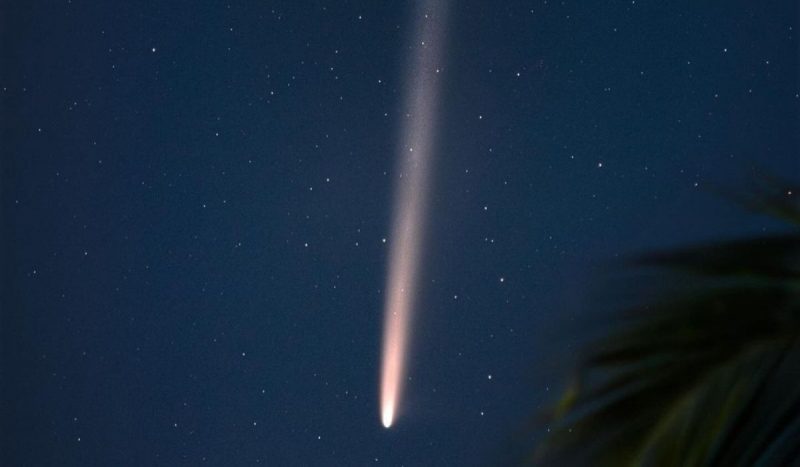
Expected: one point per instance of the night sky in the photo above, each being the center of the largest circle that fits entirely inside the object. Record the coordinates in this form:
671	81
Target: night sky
197	200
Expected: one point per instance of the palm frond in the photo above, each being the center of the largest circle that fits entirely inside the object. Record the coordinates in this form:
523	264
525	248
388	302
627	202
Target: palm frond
707	374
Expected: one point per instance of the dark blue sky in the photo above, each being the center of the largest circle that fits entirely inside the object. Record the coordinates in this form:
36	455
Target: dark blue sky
194	197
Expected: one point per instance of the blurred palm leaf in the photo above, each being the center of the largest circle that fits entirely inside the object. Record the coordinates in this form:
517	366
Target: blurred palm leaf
707	373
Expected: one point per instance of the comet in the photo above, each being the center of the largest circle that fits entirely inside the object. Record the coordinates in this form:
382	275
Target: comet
410	200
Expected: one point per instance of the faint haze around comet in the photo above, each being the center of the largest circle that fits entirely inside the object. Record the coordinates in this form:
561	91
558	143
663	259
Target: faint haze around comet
412	183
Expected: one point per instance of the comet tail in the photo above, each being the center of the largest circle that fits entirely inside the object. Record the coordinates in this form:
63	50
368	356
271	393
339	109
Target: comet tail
412	186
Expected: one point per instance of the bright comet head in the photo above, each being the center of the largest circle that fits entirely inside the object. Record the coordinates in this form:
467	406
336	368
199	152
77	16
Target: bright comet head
387	416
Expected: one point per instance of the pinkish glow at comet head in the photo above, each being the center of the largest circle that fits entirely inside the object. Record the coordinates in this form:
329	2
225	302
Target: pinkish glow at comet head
411	202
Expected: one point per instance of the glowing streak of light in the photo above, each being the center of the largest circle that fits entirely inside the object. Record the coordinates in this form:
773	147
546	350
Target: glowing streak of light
410	201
